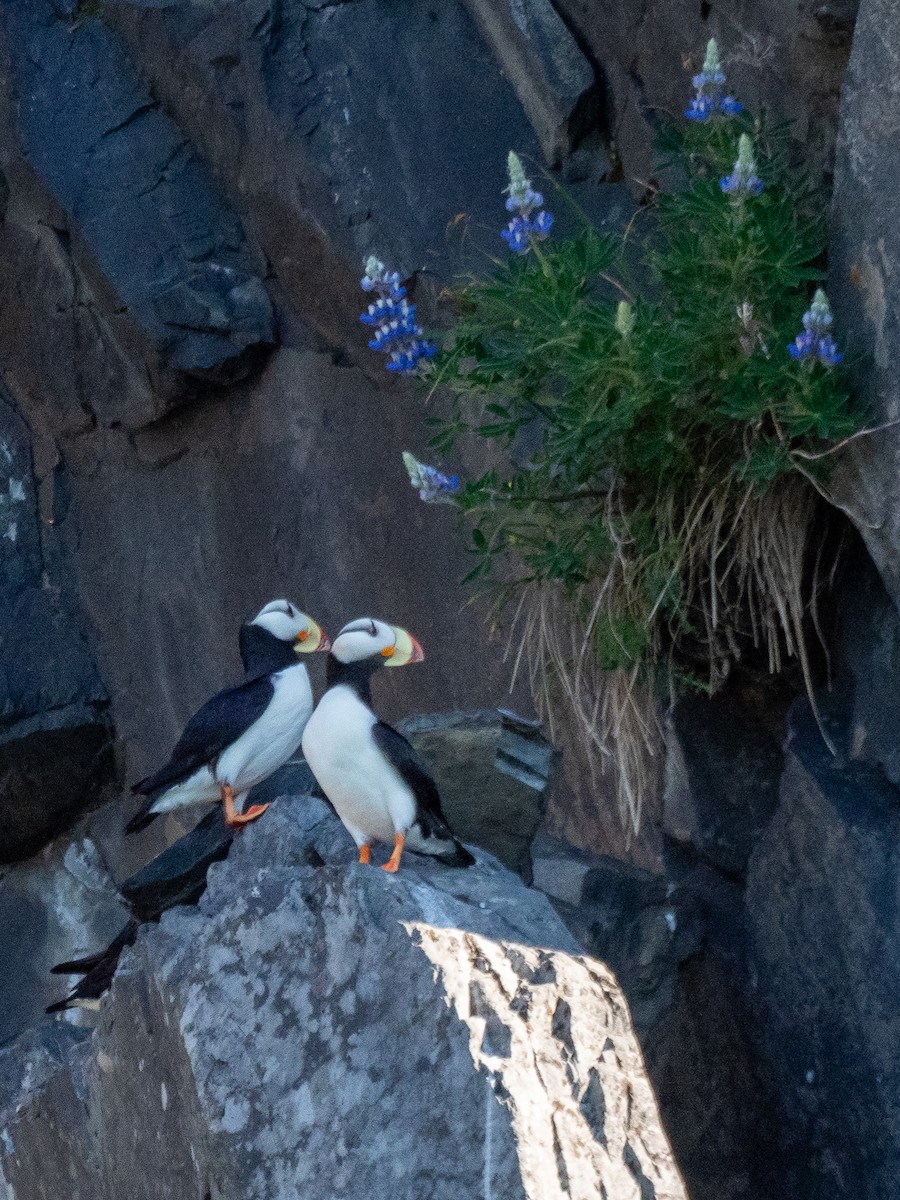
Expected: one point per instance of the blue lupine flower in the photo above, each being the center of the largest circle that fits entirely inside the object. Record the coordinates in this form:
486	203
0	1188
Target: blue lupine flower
433	486
700	108
815	343
828	352
523	229
394	318
743	180
710	84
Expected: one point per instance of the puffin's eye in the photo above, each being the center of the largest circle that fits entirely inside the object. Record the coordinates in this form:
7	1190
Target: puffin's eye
289	611
373	632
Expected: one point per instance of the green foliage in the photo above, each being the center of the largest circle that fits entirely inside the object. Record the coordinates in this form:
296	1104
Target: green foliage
654	443
624	423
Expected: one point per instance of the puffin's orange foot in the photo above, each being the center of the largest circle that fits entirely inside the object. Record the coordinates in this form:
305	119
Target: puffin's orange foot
365	854
393	862
239	820
234	819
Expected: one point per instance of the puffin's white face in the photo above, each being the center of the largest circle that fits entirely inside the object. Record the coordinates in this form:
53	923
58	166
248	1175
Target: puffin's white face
287	623
368	638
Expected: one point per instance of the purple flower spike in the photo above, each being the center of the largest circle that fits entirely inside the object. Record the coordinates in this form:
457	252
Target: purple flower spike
815	343
828	352
394	320
802	346
743	180
524	229
700	108
516	235
433	486
710	85
542	224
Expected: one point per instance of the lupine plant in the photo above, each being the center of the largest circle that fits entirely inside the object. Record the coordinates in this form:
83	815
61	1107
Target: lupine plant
661	432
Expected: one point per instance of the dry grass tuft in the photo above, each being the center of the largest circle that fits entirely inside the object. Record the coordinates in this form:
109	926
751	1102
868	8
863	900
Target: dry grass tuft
743	577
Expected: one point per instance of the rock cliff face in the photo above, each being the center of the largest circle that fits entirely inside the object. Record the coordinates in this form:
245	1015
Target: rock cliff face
188	193
321	1028
190	424
191	193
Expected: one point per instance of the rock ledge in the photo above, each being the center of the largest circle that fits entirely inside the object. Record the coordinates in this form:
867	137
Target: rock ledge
318	1028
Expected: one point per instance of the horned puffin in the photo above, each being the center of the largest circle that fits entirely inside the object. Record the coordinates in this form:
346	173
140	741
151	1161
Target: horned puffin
368	770
243	734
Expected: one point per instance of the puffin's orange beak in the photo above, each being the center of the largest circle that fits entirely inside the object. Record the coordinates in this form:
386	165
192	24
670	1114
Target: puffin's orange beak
405	649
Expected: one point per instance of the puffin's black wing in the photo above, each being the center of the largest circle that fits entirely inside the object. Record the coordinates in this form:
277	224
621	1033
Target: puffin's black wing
432	821
211	730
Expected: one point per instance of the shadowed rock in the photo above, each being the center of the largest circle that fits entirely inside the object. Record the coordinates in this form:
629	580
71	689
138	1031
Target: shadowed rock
177	876
501	759
822	900
60	903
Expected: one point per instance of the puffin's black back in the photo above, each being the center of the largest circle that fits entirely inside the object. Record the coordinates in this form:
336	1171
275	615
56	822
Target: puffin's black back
221	720
262	653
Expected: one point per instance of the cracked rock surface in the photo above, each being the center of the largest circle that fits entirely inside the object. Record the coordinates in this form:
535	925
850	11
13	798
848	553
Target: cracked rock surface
319	1028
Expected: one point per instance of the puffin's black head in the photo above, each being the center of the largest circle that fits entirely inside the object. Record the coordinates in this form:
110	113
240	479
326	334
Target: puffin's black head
366	644
276	635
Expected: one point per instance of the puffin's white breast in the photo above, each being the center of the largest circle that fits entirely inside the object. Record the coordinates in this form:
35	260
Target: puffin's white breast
367	792
273	737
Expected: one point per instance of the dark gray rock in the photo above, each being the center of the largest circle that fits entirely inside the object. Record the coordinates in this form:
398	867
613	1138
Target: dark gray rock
867	663
353	120
822	899
326	1027
723	765
553	80
54	736
178	875
194	520
864	244
169	247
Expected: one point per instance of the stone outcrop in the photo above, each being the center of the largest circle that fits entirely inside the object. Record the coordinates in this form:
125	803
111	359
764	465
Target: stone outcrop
502	760
168	246
320	1027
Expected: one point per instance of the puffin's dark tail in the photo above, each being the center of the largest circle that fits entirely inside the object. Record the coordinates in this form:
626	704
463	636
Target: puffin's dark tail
460	858
143	817
97	970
